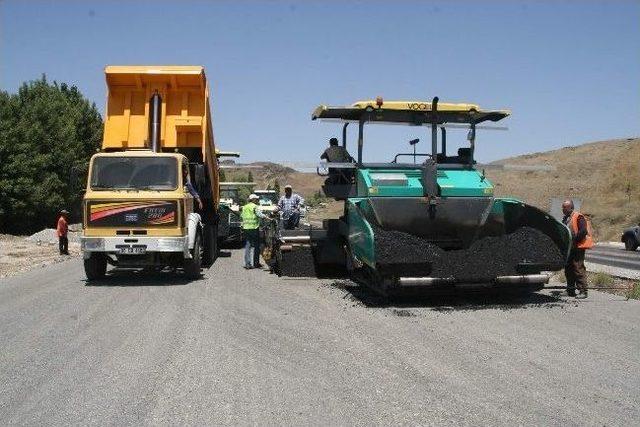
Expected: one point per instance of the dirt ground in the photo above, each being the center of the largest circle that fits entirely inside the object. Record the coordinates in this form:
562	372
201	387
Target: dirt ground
326	210
18	254
628	288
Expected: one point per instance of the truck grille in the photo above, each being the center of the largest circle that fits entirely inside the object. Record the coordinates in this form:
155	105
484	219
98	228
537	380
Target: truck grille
132	213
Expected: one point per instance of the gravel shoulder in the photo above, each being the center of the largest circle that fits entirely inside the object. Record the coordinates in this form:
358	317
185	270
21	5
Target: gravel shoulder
23	253
247	347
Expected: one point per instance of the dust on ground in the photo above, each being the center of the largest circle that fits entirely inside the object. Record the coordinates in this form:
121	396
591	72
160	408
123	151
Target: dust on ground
22	253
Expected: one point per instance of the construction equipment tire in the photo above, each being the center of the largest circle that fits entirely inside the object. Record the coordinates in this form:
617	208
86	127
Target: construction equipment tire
95	267
210	244
193	265
630	243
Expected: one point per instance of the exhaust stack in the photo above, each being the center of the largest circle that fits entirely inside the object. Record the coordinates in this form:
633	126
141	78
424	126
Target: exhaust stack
155	117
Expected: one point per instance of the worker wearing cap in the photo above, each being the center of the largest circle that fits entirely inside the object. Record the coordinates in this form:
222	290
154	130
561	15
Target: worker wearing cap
62	229
575	271
289	207
337	154
250	216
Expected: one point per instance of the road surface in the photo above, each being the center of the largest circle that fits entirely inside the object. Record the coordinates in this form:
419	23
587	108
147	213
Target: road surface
614	256
247	347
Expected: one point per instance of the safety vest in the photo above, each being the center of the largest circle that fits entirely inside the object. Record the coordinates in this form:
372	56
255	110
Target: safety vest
587	242
250	220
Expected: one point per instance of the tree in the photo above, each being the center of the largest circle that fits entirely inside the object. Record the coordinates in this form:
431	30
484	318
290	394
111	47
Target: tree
48	132
221	175
250	177
243	193
276	186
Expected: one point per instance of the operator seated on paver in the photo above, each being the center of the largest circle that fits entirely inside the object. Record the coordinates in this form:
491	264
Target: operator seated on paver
250	216
289	207
190	188
575	271
463	157
337	154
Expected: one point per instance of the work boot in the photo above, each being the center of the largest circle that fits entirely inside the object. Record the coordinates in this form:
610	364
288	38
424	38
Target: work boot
571	292
582	295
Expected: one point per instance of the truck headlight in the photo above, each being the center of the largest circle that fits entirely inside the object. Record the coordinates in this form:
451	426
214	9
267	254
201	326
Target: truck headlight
176	245
92	244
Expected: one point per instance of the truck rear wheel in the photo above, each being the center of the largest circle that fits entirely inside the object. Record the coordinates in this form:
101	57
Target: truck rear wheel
210	244
193	265
95	267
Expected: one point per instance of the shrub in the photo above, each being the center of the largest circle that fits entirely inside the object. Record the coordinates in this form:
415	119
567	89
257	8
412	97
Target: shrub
602	279
634	291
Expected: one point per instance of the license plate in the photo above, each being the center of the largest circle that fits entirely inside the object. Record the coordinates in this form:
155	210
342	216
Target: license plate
133	251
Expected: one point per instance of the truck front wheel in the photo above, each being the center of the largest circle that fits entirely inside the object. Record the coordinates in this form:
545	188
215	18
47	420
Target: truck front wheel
95	267
193	265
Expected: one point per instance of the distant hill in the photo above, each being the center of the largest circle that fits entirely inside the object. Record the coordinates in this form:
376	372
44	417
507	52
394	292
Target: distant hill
604	174
267	173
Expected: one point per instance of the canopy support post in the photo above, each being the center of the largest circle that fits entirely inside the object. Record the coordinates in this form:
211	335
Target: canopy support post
360	140
344	135
472	143
434	128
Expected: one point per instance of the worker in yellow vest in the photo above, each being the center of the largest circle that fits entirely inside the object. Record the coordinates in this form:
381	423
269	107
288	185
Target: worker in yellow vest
250	216
575	271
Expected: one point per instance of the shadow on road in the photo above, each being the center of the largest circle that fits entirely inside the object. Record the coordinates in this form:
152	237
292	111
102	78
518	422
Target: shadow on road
459	300
224	254
140	277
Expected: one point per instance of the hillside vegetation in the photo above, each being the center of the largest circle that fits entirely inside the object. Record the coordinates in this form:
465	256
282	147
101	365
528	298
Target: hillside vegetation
48	132
605	175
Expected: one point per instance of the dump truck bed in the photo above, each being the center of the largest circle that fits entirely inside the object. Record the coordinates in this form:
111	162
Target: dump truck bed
185	113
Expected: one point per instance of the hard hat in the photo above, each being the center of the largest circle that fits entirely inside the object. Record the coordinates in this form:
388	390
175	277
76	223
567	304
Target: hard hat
287	186
253	196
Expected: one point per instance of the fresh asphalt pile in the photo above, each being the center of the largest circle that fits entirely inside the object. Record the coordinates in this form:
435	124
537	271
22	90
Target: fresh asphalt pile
404	253
298	262
484	260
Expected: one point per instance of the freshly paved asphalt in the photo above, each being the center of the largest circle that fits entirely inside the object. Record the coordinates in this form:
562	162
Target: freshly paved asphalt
247	347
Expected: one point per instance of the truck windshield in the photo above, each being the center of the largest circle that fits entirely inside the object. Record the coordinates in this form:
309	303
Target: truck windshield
141	173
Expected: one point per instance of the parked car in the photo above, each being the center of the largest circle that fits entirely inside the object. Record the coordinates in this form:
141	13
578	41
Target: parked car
631	238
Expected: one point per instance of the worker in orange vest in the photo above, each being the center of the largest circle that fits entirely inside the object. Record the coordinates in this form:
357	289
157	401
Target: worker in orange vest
575	271
61	230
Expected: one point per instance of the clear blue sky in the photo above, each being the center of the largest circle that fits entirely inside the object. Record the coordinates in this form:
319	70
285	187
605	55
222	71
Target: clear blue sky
569	71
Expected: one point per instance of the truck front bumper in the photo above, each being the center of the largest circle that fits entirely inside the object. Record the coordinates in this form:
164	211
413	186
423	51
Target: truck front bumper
119	245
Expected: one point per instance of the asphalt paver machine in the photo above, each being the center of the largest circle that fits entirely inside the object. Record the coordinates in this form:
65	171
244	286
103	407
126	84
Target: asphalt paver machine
430	224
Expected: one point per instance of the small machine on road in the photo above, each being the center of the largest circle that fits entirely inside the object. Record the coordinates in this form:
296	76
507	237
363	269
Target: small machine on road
230	226
431	223
158	148
631	238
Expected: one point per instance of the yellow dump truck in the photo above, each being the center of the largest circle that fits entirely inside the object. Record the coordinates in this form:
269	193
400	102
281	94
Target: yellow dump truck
141	206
